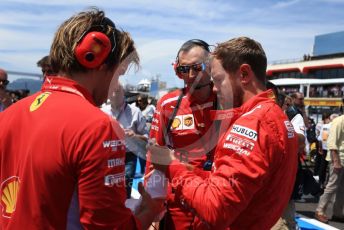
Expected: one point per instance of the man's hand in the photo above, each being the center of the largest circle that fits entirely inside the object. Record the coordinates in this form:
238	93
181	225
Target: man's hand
129	132
149	208
161	156
337	165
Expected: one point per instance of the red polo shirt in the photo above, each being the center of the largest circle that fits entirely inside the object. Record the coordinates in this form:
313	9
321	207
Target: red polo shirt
54	144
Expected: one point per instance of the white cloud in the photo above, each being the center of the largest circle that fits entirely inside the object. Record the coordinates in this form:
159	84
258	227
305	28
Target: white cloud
283	4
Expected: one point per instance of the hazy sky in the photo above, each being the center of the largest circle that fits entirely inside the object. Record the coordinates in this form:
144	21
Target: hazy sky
286	29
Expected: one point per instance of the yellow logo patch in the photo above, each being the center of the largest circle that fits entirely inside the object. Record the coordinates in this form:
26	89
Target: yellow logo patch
176	123
9	192
39	101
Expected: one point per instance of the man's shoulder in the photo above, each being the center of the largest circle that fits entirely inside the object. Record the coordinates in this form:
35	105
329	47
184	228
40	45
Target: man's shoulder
170	97
338	120
133	109
262	110
79	110
106	108
268	115
150	107
292	111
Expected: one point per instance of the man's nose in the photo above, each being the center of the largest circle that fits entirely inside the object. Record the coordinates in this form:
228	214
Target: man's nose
193	73
215	90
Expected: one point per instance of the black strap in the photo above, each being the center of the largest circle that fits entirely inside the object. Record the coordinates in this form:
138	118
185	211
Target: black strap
170	120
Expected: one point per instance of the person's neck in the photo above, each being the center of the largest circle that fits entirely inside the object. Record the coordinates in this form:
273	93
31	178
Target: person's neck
83	79
116	107
200	96
143	107
252	90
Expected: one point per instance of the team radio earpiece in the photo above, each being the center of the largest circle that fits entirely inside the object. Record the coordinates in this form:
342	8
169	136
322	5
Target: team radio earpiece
93	49
94	46
190	43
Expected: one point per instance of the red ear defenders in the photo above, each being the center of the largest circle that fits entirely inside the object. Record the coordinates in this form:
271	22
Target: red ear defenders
94	46
188	45
93	49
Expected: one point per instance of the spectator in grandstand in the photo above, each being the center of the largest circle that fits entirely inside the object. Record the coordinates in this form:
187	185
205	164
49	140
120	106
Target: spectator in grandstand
65	166
335	185
5	98
255	162
135	129
182	121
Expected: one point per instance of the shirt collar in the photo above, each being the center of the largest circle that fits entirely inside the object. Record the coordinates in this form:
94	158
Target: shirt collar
66	85
234	113
267	95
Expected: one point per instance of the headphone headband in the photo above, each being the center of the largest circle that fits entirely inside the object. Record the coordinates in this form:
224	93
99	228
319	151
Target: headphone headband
107	22
198	42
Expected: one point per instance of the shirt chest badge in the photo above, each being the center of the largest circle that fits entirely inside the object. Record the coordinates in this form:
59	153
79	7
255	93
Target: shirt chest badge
183	122
9	193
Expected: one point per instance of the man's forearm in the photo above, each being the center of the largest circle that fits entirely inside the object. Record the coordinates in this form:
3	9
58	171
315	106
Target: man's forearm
146	218
335	156
301	141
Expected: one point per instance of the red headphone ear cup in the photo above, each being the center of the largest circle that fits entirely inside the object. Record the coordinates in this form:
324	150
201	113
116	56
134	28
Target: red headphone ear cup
175	67
93	49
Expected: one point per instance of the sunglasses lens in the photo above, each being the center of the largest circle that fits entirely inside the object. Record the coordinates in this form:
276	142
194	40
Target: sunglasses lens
183	69
198	67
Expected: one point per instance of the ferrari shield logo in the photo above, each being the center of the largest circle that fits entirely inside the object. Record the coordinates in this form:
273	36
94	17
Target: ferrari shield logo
39	100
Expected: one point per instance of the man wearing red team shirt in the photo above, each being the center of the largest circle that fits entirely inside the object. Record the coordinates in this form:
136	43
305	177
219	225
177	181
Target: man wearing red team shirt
62	158
182	121
254	164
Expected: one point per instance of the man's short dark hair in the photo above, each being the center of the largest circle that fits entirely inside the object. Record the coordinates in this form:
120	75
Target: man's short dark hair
44	61
188	45
295	95
242	50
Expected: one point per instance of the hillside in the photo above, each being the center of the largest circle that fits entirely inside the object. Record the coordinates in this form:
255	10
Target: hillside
25	83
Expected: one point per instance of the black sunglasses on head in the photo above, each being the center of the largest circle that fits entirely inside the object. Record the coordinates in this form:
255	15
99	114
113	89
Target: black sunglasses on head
4	82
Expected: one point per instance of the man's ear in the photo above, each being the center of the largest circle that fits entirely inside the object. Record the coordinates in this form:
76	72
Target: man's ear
246	74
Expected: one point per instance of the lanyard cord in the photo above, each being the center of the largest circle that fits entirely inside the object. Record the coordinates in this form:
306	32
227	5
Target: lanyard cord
167	130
